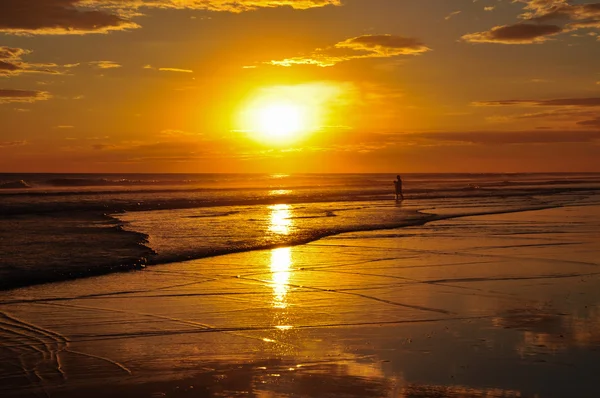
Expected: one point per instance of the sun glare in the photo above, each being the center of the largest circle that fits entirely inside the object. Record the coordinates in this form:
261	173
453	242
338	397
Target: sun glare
281	115
280	120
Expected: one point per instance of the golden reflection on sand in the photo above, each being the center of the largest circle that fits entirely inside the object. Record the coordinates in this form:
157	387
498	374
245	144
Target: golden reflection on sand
281	221
281	262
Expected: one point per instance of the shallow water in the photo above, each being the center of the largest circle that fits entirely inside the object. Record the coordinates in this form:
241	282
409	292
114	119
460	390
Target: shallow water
71	226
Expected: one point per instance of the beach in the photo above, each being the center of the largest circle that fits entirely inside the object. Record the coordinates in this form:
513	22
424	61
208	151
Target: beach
489	305
299	199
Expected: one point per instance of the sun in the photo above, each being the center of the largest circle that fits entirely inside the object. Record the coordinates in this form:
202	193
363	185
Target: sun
280	120
286	114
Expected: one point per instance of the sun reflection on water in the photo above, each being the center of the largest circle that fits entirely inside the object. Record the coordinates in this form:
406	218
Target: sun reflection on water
281	221
281	261
279	192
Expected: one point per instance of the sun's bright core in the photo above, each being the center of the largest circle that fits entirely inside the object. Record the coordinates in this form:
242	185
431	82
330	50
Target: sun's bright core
287	115
280	120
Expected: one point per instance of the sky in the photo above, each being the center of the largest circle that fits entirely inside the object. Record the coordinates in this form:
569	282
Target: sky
299	86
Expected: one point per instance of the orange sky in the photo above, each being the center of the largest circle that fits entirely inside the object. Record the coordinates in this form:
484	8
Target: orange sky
367	86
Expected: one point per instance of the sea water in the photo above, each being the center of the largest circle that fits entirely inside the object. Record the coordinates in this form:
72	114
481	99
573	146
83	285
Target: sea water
64	226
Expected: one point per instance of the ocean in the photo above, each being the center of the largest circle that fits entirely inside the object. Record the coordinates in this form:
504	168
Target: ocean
56	227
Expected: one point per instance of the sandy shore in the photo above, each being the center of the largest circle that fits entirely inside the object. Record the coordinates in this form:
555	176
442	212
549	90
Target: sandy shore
491	306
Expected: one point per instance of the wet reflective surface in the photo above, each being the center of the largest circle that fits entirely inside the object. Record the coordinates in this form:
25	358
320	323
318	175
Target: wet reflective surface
501	305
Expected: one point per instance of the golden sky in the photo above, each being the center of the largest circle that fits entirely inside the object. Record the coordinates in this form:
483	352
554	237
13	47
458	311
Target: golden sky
299	85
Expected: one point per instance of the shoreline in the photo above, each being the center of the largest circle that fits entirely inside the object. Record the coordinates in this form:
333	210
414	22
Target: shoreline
148	257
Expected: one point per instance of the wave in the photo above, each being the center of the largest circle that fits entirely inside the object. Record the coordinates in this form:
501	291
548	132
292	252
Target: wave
14	185
216	214
143	254
145	200
417	218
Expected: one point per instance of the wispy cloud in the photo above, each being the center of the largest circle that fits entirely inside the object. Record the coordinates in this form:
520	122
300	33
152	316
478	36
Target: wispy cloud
162	69
574	102
175	70
367	46
10	144
577	112
452	14
12	63
10	95
105	64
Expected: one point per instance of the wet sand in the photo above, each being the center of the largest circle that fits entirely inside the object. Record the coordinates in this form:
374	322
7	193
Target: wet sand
503	305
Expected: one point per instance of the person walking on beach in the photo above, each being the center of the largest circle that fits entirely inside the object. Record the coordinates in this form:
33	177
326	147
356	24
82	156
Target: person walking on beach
398	185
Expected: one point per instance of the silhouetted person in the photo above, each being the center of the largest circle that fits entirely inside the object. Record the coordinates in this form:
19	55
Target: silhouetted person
398	185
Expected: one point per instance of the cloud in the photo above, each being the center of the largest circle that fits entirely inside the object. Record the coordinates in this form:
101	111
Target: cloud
507	137
594	123
9	95
367	46
523	33
209	5
134	152
570	110
385	45
105	64
47	17
59	17
565	113
575	102
8	144
177	70
101	147
543	19
546	10
173	133
452	14
11	63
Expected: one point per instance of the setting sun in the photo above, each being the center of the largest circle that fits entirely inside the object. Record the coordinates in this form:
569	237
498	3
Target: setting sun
280	120
287	114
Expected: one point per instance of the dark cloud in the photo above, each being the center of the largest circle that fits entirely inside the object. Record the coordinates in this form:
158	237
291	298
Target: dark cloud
9	95
561	10
11	63
8	67
523	33
46	17
544	18
595	123
10	60
10	53
58	17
